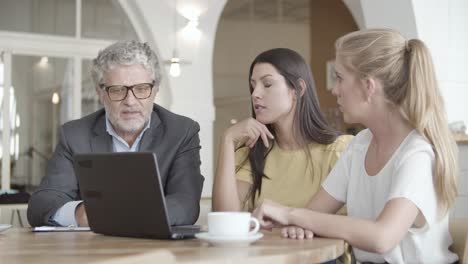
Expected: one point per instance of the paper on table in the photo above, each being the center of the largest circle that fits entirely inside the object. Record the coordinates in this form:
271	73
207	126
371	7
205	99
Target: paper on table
4	227
60	229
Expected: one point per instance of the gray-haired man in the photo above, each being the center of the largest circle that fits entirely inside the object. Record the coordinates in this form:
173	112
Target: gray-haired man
127	77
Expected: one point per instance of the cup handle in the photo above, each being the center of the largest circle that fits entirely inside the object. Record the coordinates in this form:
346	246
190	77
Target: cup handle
257	226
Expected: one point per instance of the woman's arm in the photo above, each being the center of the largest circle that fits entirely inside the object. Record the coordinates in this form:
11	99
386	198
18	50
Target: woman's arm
377	236
229	193
324	203
320	202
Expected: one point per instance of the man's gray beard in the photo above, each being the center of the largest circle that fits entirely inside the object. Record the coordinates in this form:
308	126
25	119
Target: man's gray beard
130	128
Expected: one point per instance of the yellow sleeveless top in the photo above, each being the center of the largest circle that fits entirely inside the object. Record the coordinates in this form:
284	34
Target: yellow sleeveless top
292	179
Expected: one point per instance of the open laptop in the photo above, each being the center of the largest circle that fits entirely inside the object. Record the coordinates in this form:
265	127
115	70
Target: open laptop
124	196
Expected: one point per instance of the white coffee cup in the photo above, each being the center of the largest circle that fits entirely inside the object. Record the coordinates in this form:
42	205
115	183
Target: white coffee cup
231	224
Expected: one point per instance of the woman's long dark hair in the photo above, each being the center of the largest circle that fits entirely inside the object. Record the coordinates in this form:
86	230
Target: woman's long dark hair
309	123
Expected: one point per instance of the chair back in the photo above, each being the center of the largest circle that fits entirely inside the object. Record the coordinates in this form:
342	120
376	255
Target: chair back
459	232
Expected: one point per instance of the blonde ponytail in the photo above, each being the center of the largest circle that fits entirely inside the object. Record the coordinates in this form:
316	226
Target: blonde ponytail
424	108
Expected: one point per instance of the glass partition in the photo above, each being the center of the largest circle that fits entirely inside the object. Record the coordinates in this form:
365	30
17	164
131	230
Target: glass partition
38	16
41	97
42	86
89	99
105	19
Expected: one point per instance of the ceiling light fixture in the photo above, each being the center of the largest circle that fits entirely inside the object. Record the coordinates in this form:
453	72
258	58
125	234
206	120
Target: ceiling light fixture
174	69
175	62
192	13
55	98
191	31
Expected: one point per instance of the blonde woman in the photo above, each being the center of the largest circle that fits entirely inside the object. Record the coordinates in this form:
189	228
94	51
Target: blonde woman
398	178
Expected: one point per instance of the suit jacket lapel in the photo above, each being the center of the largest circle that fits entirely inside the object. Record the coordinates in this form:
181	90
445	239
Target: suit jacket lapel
101	141
150	137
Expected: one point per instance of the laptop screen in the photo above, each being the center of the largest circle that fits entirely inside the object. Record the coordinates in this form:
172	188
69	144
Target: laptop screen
123	194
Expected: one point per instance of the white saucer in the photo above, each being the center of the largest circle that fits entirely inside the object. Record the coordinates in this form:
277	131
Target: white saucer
229	241
4	227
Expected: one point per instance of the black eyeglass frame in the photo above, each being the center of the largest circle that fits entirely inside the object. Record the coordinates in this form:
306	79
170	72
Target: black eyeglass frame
130	87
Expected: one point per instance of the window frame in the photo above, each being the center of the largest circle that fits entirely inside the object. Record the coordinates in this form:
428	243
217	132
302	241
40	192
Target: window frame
76	48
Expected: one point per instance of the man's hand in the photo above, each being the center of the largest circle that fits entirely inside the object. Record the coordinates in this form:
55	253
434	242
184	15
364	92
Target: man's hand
80	215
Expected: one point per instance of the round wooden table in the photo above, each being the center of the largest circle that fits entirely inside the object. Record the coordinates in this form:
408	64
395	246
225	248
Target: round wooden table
20	245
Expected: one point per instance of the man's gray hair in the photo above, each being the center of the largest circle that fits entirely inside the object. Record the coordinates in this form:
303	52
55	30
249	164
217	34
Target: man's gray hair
126	53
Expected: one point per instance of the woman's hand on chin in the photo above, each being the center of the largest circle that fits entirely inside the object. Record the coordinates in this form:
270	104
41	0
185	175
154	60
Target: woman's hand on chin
248	131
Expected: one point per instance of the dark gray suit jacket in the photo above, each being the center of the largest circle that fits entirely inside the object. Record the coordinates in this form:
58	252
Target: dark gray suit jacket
173	138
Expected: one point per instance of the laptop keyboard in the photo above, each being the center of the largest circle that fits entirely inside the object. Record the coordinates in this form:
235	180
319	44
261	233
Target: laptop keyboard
186	229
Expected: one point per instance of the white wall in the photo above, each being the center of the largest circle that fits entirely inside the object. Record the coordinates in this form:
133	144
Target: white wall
443	25
397	14
355	7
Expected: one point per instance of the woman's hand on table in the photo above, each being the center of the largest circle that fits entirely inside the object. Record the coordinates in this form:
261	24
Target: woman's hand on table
296	232
271	214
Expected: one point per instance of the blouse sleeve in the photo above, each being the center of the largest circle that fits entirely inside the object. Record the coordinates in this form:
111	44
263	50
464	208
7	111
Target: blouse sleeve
413	180
336	184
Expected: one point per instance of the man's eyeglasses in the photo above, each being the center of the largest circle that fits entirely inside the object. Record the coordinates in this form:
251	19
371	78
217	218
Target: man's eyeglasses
120	92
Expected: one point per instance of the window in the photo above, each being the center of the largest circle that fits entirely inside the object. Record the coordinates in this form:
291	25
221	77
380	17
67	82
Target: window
14	119
52	17
50	75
